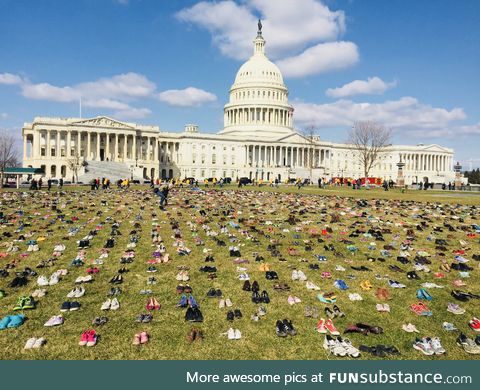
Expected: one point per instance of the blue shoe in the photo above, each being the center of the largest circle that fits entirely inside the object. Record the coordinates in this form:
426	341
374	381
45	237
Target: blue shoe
192	301
183	301
4	322
16	321
341	284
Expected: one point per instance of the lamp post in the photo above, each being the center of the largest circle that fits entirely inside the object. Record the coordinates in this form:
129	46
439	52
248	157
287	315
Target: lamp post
400	177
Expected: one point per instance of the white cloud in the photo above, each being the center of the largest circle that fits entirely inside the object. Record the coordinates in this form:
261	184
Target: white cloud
3	115
406	113
293	30
10	79
46	91
186	97
320	58
371	86
450	132
132	113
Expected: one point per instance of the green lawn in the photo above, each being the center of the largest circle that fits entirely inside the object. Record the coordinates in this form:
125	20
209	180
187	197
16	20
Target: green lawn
255	207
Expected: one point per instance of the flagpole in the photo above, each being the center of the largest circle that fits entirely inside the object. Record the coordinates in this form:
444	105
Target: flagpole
80	107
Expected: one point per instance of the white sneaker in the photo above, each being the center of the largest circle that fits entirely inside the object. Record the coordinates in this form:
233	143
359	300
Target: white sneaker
294	274
106	305
301	276
39	342
53	279
231	334
80	292
339	268
221	304
115	305
228	302
238	334
72	293
42	281
30	343
312	286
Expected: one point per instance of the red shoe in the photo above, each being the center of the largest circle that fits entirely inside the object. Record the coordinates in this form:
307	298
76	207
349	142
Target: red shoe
83	338
91	338
156	305
150	305
331	328
475	324
95	270
321	326
439	275
89	270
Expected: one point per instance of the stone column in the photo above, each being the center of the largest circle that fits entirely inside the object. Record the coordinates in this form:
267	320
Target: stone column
68	146
134	147
107	147
97	157
48	150
89	145
116	148
125	141
57	145
78	146
149	150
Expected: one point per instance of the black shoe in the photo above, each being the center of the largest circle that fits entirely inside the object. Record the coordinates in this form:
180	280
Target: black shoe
268	275
459	295
280	329
230	316
256	297
211	293
255	286
218	293
237	313
289	327
197	314
265	298
189	315
413	275
274	275
403	260
246	286
65	306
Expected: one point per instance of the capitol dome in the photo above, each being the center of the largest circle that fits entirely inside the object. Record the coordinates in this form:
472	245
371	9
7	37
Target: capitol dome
258	104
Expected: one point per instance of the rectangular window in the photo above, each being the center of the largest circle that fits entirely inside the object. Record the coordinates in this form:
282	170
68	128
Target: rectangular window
203	159
224	160
214	173
52	152
42	152
194	158
194	172
233	160
203	173
62	152
214	158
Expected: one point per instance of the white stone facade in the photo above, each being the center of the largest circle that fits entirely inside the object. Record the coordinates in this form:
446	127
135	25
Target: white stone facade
258	141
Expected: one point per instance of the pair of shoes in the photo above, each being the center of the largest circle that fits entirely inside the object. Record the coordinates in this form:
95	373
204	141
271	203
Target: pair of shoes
285	328
232	314
115	291
212	293
327	297
77	292
194	335
145	292
110	304
193	314
271	275
140	338
54	321
88	338
293	300
366	285
84	279
93	270
311	311
340	347
35	343
410	328
117	279
327	326
260	298
298	275
364	329
336	312
183	289
281	287
455	309
70	306
12	321
474	323
153	304
469	346
24	303
151	280
423	294
383	307
340	284
99	321
380	350
225	303
145	318
233	334
429	346
355	297
420	309
312	286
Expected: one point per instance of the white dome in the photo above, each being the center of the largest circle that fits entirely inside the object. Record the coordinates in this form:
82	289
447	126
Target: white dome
258	70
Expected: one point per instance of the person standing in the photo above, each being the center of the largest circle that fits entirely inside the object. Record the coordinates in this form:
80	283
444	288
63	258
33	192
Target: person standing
40	182
60	183
49	184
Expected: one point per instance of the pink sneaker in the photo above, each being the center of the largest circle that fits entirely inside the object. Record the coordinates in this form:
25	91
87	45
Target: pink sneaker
321	326
91	338
291	300
331	328
83	338
143	338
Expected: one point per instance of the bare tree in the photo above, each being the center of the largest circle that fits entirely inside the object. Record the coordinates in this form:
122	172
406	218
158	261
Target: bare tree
74	164
8	152
369	139
310	134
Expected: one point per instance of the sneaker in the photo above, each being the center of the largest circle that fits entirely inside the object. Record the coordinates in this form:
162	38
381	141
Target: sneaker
115	305
321	326
54	321
449	327
280	329
91	338
437	346
410	328
65	306
331	328
42	281
455	309
424	346
80	292
83	338
74	306
30	343
334	346
106	305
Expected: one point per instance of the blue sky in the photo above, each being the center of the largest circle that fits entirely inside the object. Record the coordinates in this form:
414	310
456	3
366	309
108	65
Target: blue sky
412	65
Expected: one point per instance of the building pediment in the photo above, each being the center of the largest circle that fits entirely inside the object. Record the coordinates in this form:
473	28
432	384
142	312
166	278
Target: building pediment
103	121
434	148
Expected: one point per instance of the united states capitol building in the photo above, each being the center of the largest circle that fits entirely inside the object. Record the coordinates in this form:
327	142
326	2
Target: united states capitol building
258	141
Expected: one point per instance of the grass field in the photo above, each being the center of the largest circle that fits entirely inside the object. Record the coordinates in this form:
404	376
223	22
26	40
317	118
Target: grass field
263	214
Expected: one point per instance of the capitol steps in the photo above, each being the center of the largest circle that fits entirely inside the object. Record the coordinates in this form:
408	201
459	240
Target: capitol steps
106	169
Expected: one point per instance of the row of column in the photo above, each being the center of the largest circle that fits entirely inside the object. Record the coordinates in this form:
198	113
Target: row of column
115	146
258	116
260	156
427	162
